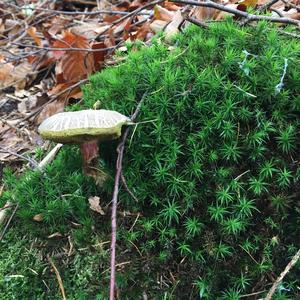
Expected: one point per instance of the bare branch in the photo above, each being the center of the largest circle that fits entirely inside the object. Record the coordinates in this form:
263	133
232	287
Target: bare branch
282	275
249	17
120	151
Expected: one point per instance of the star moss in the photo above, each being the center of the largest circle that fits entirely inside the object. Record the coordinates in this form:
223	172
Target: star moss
213	163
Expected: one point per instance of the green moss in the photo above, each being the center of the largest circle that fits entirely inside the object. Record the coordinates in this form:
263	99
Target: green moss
215	169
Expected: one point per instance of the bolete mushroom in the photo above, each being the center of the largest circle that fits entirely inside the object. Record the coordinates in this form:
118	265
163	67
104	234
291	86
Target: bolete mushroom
87	128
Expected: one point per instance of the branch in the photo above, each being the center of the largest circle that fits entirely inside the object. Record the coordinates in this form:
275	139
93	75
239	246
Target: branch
64	49
72	13
59	280
282	275
120	151
249	17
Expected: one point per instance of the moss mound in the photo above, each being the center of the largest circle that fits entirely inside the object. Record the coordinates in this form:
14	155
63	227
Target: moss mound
214	164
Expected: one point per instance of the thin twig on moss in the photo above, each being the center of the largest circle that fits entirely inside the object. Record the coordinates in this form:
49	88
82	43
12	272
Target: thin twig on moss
282	275
60	282
120	151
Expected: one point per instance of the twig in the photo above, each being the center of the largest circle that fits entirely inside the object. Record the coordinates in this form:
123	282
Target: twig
282	275
131	14
266	5
252	294
33	163
197	22
64	49
128	189
294	35
72	13
249	17
120	151
49	157
9	220
60	282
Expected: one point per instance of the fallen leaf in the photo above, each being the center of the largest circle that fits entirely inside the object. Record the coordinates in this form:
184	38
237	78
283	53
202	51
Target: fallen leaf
158	25
89	30
142	32
49	110
99	56
6	78
95	205
32	32
74	65
161	13
38	218
171	6
205	13
173	27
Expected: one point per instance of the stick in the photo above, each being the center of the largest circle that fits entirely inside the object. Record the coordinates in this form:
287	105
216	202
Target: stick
60	282
31	161
9	220
120	151
49	157
282	275
249	17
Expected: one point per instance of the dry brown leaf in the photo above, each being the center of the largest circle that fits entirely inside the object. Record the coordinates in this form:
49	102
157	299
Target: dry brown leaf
161	13
158	25
74	65
49	110
6	78
95	205
10	140
110	40
89	30
22	74
32	32
32	102
171	6
2	26
172	28
99	56
38	218
205	13
143	31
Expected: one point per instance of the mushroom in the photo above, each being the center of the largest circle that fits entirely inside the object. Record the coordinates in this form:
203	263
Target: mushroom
87	128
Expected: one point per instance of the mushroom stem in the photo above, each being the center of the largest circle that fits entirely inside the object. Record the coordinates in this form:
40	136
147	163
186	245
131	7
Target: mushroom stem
90	152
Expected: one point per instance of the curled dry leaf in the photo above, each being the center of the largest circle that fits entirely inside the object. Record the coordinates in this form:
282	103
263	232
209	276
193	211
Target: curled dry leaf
95	205
161	13
173	27
38	218
158	25
32	32
143	32
6	78
13	142
73	65
49	110
205	13
89	30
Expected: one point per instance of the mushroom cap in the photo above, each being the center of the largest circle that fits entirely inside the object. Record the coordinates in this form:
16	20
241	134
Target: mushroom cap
81	126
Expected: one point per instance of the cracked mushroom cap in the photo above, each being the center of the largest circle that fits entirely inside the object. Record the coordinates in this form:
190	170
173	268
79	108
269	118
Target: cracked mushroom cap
81	126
